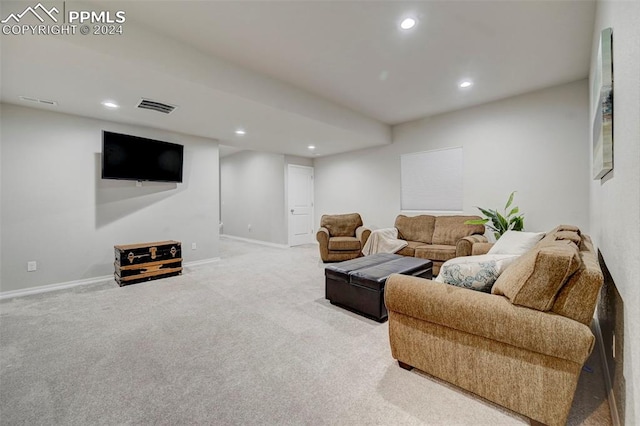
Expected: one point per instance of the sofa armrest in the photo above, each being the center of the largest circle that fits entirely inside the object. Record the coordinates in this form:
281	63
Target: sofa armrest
490	316
400	236
322	235
362	234
481	248
464	246
323	240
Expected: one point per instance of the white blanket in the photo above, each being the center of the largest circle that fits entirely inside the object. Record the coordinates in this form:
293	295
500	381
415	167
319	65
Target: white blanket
383	241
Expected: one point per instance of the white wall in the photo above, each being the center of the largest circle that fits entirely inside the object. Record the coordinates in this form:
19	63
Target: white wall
252	193
533	143
57	210
615	201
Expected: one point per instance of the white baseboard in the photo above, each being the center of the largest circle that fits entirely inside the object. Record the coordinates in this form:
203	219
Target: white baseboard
69	284
53	287
249	240
201	262
613	407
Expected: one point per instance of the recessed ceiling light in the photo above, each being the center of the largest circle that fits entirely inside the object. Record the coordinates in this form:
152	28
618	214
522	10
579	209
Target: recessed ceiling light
110	104
311	147
240	132
466	83
408	23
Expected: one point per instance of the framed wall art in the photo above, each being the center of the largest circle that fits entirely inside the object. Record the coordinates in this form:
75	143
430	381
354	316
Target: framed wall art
602	95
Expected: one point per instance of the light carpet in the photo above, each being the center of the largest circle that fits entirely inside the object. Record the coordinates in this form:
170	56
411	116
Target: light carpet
246	340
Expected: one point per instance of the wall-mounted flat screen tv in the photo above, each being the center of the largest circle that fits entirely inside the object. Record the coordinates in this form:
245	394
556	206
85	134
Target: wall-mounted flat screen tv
135	158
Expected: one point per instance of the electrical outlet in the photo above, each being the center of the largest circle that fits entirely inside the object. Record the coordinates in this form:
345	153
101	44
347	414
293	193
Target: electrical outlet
32	266
194	246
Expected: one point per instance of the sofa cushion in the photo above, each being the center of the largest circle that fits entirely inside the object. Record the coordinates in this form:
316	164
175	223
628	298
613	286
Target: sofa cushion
475	272
559	235
341	225
516	242
410	249
344	243
571	228
577	298
535	278
435	252
449	229
568	235
415	228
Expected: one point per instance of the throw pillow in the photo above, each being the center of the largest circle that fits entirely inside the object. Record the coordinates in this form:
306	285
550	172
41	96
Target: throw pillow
474	272
568	235
571	228
516	242
535	279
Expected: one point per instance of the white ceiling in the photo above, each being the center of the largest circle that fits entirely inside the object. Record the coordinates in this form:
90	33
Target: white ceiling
335	74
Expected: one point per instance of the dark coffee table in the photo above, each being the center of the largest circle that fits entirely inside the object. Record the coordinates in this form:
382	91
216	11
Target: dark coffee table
358	284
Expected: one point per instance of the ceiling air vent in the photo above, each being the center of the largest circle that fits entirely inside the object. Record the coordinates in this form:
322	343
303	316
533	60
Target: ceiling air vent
156	106
38	101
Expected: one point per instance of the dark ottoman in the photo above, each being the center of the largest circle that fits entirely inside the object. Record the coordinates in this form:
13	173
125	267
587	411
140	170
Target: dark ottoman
358	284
338	273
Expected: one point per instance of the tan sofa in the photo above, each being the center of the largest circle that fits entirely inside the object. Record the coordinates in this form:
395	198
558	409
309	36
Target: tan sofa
438	238
522	346
341	237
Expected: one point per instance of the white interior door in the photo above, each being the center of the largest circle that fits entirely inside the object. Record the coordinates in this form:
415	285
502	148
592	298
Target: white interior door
300	182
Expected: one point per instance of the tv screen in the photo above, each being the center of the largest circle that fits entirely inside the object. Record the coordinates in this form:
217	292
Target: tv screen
135	158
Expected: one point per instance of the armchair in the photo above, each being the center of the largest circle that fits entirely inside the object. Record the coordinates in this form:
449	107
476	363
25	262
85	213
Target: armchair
341	237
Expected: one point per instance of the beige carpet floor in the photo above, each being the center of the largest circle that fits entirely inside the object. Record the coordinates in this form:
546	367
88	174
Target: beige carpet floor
246	340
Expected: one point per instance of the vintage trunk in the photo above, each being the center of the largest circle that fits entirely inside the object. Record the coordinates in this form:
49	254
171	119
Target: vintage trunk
137	263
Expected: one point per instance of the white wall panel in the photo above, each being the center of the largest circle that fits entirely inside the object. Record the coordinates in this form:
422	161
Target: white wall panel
432	180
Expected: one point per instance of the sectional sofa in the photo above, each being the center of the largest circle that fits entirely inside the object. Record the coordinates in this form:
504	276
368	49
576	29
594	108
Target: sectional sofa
521	346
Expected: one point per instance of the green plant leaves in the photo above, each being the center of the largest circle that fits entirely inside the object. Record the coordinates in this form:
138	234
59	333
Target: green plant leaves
504	225
501	223
476	222
510	201
489	213
517	223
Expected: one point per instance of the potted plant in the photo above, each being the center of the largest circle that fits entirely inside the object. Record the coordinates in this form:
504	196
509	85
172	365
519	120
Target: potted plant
501	223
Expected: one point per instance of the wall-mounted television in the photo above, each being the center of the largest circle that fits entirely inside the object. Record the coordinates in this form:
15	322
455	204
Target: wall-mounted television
135	158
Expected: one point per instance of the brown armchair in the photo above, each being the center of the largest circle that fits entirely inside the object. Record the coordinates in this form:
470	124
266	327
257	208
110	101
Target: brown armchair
341	237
